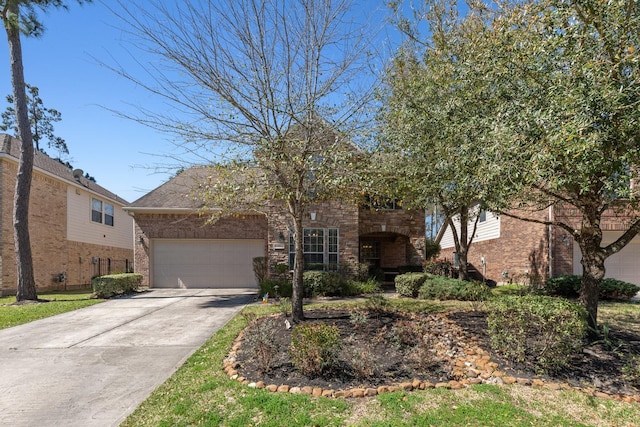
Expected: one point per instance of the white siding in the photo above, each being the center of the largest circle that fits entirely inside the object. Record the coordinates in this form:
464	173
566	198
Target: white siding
622	266
486	230
80	228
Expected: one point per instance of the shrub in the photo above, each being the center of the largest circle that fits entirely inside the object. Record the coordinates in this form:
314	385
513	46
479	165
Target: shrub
353	287
570	285
431	249
617	289
565	286
540	331
315	348
362	362
408	284
261	268
260	335
439	267
443	288
377	304
285	287
321	283
115	284
285	306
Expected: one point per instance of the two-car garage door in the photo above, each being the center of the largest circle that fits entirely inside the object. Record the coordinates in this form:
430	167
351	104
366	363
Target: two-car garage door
205	263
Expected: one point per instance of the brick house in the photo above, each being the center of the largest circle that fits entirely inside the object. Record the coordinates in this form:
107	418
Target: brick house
175	247
506	249
77	228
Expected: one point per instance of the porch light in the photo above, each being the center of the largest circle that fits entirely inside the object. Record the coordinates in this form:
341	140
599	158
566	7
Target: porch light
313	216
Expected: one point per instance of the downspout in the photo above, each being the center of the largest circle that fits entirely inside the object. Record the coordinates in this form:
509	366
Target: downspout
550	231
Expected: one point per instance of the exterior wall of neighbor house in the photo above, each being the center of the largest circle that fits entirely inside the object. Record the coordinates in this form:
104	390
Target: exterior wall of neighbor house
520	253
80	227
52	252
406	226
189	226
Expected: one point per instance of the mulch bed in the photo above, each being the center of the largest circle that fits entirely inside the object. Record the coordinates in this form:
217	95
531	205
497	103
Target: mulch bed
388	348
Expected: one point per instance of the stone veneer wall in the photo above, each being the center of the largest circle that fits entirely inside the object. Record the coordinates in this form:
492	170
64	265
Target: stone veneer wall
51	252
334	214
181	226
408	223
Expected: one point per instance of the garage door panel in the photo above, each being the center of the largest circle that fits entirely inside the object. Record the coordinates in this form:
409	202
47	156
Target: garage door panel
195	263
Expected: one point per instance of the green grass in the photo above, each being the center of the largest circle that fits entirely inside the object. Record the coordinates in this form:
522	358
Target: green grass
59	302
200	393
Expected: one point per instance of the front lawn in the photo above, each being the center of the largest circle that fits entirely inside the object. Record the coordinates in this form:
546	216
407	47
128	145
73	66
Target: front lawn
200	393
58	302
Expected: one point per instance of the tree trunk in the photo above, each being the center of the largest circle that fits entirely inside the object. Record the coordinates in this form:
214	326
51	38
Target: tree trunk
26	288
593	271
297	313
462	248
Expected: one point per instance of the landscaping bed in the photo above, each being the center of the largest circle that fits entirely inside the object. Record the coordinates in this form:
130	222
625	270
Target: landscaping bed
385	350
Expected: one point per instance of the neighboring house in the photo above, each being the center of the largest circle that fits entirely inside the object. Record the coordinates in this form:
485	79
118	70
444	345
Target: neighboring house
509	250
176	247
78	229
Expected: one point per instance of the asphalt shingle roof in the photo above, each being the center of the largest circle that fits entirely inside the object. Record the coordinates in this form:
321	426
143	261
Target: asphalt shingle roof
11	147
176	193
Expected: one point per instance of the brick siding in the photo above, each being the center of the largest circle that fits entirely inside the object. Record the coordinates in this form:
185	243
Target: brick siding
52	254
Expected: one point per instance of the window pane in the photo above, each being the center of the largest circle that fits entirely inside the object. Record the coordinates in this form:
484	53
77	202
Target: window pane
108	214
96	210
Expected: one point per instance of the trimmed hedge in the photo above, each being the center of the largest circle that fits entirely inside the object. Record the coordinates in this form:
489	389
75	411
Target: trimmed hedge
321	283
444	288
569	286
408	284
541	331
115	284
617	289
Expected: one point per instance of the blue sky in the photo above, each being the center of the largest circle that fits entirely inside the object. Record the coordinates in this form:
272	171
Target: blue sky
63	64
125	157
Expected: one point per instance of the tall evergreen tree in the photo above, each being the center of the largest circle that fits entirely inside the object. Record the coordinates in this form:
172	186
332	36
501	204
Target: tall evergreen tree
41	120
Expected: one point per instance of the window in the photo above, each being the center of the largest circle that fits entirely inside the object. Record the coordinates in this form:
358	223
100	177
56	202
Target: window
98	209
483	216
320	247
108	214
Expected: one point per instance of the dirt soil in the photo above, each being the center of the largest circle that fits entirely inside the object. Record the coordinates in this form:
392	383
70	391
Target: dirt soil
388	348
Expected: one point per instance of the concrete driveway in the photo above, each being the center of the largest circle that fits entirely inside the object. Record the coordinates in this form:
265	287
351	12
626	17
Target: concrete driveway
94	366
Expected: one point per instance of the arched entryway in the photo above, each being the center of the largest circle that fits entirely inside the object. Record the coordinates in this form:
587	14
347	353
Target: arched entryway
386	253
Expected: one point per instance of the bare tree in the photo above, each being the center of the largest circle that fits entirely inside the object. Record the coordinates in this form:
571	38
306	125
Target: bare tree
271	88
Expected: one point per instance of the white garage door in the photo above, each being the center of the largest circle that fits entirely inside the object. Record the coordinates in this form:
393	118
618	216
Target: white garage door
200	263
625	265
